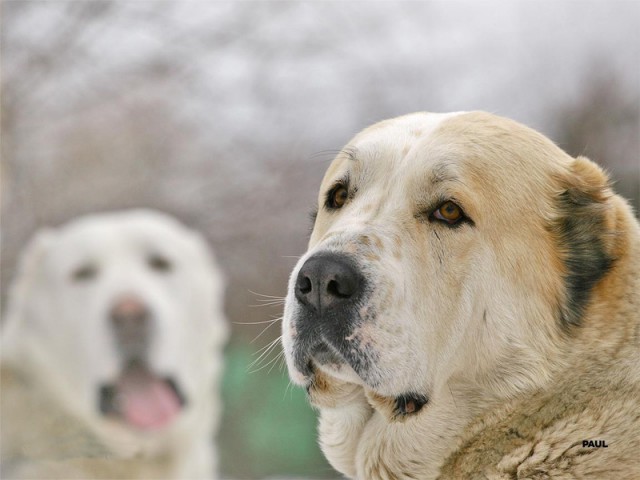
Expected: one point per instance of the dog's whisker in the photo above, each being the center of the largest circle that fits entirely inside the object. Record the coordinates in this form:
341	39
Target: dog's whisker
267	351
286	390
277	361
264	330
261	322
268	300
259	363
270	362
272	303
268	345
266	296
276	301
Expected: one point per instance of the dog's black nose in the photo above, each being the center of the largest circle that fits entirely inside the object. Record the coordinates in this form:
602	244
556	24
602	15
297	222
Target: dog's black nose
326	281
130	320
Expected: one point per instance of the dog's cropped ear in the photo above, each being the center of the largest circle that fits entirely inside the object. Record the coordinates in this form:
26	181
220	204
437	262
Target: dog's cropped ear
584	231
20	293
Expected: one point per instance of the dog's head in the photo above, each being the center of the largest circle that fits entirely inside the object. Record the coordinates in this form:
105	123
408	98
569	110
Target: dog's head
443	244
121	315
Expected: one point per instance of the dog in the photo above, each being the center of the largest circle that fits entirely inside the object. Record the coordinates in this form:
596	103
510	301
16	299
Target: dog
469	307
112	352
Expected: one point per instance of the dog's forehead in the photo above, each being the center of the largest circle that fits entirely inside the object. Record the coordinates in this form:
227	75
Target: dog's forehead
99	235
479	144
399	131
389	140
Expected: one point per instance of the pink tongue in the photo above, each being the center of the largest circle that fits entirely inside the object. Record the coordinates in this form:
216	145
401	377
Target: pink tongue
147	402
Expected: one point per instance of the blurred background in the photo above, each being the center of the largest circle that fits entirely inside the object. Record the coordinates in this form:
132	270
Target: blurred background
225	114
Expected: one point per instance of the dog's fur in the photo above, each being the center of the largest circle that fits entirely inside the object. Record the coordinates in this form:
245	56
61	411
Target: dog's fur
58	347
519	328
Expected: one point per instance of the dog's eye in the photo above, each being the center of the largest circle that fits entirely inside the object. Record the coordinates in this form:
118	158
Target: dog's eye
84	273
337	196
448	212
159	263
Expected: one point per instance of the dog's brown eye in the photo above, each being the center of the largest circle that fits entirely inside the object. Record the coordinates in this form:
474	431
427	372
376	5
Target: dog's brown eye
448	212
159	263
84	273
338	196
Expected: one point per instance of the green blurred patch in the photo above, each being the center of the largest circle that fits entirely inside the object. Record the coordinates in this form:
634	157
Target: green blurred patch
268	428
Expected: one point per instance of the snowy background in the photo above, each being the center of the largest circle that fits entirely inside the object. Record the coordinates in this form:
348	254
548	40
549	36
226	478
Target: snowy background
226	113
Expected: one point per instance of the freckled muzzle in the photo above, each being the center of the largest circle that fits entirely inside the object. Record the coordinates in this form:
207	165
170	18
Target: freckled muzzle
329	291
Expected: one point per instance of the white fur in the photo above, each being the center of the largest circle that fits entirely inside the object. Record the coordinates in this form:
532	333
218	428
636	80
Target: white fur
58	331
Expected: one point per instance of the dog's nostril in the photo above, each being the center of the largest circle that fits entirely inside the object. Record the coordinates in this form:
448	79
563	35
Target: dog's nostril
342	288
332	288
337	289
304	284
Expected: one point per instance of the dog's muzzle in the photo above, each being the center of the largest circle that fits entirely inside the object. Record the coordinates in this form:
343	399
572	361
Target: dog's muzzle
140	397
329	290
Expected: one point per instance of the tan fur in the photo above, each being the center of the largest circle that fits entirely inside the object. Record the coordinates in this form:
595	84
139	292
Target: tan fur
523	329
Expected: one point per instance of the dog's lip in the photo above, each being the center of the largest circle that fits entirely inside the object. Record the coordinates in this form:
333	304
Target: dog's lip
324	354
323	357
320	354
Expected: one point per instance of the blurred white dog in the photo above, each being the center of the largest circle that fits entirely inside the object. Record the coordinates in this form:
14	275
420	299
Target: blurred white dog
112	352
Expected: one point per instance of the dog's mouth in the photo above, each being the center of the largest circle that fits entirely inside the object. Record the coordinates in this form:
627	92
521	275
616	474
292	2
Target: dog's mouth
326	356
345	366
396	408
409	404
142	399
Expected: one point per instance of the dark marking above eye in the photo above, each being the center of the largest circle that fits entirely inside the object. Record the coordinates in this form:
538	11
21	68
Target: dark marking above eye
84	273
159	263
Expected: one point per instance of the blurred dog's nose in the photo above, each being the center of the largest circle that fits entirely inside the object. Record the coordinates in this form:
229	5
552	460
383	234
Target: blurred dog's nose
130	319
326	281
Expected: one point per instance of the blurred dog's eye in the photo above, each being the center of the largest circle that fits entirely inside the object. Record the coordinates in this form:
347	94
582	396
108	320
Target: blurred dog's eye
448	212
84	273
337	196
159	263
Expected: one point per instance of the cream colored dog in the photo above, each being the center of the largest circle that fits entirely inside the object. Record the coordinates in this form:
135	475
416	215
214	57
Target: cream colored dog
469	307
112	352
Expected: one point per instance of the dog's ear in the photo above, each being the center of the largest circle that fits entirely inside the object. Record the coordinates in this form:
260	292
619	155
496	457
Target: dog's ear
20	292
583	228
